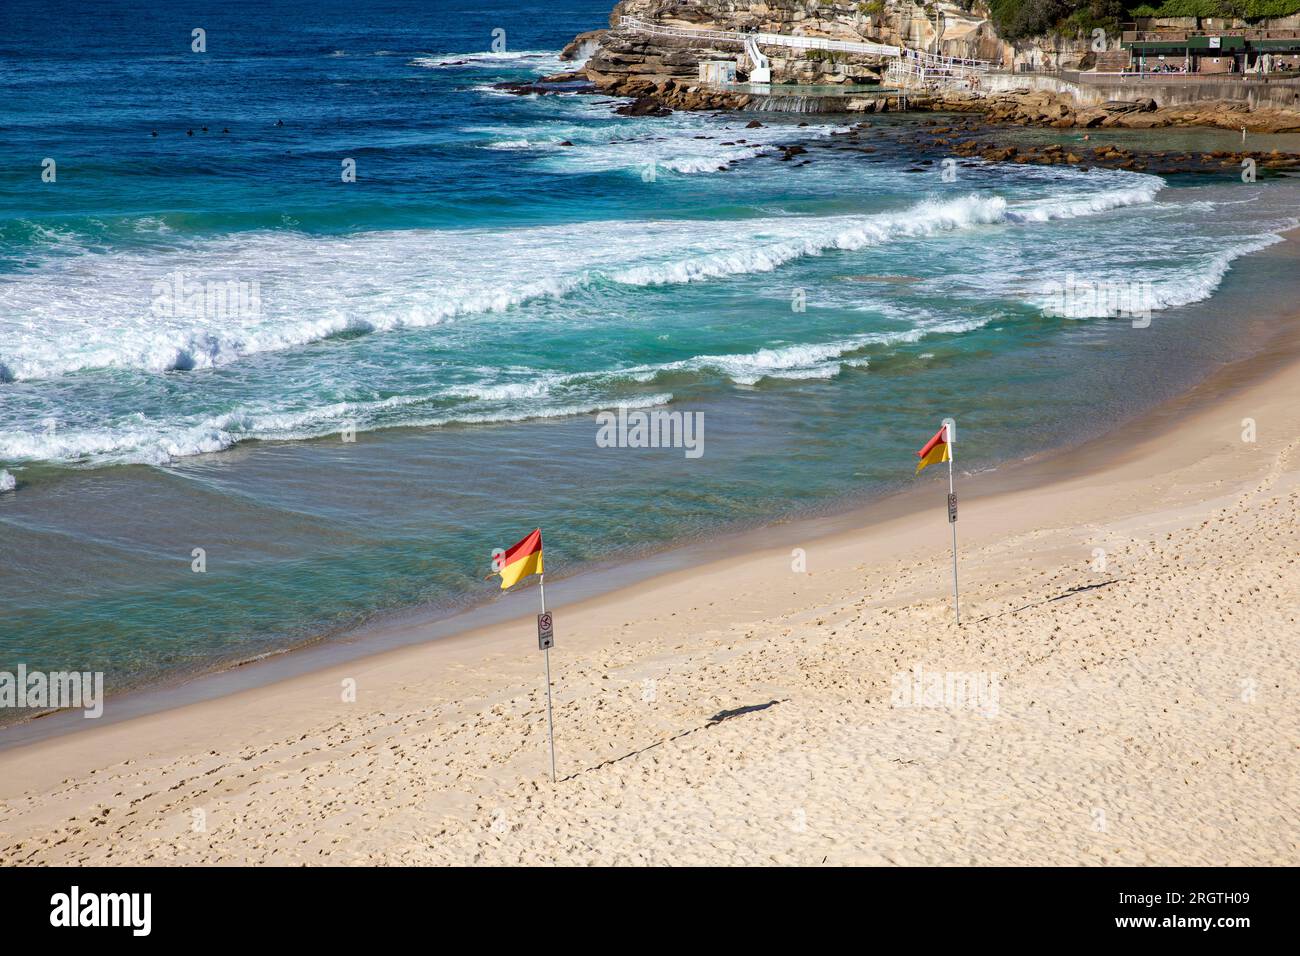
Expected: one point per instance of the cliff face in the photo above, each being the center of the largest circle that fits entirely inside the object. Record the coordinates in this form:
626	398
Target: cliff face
634	63
663	71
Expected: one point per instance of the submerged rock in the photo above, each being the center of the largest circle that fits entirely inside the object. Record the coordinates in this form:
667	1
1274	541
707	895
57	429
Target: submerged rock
643	106
545	87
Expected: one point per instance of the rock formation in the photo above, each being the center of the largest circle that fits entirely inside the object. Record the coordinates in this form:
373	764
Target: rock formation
663	71
1041	108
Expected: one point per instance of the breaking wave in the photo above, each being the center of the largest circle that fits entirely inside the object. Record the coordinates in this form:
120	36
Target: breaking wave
101	310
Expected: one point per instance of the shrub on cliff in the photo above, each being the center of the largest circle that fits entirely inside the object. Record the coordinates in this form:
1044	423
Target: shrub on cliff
1019	19
1192	8
1243	9
1022	19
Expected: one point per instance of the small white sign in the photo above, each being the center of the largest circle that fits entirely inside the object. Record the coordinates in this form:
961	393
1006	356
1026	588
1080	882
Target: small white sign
545	631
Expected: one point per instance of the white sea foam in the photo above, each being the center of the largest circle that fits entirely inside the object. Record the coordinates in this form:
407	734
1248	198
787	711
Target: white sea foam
780	241
541	61
1185	289
537	386
685	146
685	143
797	361
815	360
141	441
7	481
94	311
583	54
487	89
1045	210
531	395
50	240
522	144
1195	277
528	394
435	60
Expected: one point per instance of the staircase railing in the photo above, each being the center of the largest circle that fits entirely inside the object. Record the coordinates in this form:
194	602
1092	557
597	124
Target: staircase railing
917	69
768	39
911	68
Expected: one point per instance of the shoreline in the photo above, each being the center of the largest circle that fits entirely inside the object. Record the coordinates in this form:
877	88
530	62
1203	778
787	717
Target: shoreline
406	629
1172	467
490	673
267	528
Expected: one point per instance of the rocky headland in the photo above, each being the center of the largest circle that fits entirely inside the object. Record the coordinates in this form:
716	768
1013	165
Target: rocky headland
1043	108
660	72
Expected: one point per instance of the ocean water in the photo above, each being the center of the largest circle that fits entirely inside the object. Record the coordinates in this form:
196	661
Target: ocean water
193	323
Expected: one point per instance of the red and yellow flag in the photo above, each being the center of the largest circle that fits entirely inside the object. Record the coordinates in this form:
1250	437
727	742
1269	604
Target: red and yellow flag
521	560
935	450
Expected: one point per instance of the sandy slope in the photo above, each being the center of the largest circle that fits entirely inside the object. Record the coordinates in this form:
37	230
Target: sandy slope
1145	713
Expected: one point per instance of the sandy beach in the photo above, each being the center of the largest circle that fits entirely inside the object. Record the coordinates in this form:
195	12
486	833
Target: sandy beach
1127	649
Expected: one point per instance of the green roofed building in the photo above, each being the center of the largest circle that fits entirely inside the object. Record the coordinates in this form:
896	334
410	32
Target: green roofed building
1260	51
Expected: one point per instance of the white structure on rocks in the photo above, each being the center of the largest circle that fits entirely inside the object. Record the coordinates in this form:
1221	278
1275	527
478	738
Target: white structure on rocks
717	71
760	68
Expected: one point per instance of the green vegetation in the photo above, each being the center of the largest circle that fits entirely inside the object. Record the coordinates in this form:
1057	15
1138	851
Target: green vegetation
1021	19
1188	8
1242	9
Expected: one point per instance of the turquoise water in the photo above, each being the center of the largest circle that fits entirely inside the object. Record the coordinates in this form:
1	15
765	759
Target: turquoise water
477	295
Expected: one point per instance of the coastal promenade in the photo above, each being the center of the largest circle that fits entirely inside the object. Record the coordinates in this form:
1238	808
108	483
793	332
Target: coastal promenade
1094	89
906	67
916	71
767	39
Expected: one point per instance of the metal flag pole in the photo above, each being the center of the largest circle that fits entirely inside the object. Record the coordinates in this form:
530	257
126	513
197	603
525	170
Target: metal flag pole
950	429
550	725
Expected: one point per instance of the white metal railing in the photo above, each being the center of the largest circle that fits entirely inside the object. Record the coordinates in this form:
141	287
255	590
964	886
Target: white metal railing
937	61
907	67
916	69
768	39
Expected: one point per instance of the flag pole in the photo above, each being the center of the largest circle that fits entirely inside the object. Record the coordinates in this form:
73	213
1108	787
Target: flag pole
950	435
550	725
